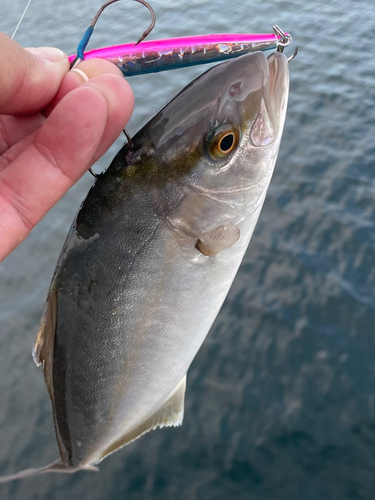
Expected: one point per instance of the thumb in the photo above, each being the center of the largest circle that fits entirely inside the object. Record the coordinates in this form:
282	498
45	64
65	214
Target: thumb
29	78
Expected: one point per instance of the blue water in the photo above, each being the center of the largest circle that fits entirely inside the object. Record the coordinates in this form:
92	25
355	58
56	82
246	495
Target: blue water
281	398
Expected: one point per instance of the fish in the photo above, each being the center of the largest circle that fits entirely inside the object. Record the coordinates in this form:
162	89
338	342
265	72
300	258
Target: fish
174	53
151	256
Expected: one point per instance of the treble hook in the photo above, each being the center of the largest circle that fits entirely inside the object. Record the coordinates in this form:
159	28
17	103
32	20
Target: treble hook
86	37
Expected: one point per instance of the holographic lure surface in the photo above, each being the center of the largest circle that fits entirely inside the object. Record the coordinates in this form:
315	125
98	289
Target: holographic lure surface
174	53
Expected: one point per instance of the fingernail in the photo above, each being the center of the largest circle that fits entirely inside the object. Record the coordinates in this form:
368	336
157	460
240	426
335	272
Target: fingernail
50	54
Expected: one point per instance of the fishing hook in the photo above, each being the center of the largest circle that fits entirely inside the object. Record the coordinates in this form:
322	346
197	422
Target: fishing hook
86	37
293	55
130	142
130	146
93	173
284	42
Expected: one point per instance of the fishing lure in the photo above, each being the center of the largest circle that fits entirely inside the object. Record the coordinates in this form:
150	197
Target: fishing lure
174	53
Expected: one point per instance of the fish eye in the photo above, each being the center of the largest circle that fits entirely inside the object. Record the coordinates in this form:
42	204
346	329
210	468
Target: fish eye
222	141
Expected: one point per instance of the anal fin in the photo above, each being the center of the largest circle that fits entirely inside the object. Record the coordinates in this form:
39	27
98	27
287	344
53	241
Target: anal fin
170	414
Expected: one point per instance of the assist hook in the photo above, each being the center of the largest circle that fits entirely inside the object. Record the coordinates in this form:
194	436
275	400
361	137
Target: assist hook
86	37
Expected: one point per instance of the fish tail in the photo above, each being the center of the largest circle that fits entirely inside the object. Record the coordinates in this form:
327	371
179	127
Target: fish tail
56	466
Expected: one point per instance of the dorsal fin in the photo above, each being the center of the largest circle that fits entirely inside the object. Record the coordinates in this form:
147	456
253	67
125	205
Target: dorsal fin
219	239
44	342
170	414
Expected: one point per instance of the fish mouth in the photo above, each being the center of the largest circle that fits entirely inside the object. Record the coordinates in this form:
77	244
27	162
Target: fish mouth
278	70
271	104
272	108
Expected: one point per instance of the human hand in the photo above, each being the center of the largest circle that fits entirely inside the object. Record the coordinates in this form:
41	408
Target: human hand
54	125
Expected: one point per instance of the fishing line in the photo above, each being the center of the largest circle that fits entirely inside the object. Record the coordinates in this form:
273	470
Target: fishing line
20	21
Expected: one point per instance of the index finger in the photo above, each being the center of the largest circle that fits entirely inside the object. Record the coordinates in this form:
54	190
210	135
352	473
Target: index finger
29	81
81	127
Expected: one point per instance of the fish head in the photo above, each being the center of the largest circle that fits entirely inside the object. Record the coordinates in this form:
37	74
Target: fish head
213	148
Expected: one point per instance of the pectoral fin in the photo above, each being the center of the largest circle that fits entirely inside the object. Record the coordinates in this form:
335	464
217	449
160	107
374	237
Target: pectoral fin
219	239
170	414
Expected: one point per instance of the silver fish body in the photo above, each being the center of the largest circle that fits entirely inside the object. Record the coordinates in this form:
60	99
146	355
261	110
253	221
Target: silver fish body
152	254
